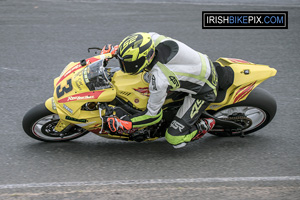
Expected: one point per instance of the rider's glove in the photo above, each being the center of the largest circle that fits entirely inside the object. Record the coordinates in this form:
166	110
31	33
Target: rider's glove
115	124
109	49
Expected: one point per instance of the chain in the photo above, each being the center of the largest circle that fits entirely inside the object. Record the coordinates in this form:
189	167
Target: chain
248	120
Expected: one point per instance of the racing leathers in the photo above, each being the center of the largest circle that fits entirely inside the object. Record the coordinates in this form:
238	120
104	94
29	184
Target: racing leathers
177	67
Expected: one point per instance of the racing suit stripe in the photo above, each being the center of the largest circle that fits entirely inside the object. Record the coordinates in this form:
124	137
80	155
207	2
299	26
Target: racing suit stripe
146	120
200	77
172	78
174	82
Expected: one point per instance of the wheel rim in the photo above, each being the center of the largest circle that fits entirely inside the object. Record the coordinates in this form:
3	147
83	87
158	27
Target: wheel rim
256	115
44	129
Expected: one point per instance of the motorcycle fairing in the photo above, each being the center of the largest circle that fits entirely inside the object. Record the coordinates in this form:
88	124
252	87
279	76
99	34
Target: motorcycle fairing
76	86
132	88
247	76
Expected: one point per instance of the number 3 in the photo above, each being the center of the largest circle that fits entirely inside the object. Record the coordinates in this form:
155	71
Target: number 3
66	89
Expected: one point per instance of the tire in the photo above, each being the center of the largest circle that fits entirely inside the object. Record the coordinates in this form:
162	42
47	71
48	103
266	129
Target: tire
260	106
39	124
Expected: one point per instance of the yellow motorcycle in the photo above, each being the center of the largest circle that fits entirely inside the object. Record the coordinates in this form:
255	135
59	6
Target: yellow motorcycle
87	91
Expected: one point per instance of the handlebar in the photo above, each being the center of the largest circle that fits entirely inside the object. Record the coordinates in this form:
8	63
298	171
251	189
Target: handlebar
96	48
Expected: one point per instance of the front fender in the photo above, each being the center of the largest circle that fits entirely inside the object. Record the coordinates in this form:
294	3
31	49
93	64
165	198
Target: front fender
50	105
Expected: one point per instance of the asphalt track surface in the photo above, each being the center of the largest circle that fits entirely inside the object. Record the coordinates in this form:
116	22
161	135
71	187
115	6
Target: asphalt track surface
39	37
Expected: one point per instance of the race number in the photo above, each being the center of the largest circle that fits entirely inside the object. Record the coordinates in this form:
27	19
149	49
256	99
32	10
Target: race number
61	91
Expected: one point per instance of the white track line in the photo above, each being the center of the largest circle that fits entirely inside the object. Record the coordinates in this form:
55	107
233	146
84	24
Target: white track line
185	3
149	181
9	69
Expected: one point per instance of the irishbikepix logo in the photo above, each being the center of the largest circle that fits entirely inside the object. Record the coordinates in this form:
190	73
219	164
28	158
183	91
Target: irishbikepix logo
244	19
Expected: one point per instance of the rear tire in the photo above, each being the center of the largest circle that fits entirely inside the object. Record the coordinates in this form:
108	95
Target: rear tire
260	106
39	124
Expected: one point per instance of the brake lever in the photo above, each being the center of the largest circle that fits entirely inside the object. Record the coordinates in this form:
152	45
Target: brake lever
95	48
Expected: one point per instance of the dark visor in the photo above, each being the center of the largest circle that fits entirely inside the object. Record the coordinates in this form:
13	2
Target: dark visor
131	67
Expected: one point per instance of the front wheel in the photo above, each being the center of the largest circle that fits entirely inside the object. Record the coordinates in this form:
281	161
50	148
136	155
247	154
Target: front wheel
254	113
39	123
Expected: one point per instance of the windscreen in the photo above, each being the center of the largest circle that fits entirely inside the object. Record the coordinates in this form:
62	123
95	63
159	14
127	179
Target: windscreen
94	78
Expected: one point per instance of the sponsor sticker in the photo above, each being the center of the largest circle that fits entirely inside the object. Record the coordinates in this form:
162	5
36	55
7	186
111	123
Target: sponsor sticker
129	40
76	120
79	83
82	96
68	109
154	83
71	70
196	107
175	82
176	125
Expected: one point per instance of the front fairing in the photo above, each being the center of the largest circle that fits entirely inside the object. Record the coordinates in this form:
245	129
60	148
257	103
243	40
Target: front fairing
79	84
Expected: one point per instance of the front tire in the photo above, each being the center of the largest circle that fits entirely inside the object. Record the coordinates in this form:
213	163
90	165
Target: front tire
253	114
39	124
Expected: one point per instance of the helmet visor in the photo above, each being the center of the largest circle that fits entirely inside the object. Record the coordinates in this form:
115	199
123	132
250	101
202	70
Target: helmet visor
131	67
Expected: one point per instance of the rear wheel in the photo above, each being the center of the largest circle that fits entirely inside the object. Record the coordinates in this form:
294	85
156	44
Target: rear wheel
39	123
254	113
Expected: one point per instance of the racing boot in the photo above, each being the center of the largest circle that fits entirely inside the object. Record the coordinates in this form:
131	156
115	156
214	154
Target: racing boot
204	125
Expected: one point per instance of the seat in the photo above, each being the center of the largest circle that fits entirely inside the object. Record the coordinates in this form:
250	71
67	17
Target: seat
225	80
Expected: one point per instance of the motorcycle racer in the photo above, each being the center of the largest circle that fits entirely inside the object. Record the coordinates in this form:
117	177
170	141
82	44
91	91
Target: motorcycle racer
173	66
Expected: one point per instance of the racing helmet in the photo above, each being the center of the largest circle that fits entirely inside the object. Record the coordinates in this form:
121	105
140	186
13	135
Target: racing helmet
136	52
